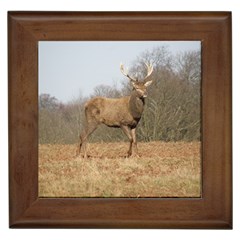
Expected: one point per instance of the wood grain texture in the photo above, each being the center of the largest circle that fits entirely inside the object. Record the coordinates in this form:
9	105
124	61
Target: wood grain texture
213	210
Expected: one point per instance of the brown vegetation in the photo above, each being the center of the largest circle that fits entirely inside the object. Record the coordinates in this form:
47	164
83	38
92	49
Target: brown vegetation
162	170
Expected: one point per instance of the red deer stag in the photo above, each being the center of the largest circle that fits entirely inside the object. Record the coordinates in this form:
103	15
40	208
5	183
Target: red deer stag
124	113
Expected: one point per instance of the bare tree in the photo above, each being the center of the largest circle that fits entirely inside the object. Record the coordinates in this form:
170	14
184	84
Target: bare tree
188	66
46	101
58	121
173	107
124	113
103	90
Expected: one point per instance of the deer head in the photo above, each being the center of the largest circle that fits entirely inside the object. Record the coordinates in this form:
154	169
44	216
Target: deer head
139	86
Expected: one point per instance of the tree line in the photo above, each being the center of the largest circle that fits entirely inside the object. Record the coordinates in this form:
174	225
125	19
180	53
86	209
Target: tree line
172	109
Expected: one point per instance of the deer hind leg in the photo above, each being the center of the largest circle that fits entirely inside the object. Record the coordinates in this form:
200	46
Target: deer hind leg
90	128
127	131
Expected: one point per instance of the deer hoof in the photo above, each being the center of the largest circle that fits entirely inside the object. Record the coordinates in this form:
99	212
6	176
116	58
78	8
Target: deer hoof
133	155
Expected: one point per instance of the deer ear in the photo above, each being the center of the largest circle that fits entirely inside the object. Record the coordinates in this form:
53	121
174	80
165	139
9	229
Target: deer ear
148	83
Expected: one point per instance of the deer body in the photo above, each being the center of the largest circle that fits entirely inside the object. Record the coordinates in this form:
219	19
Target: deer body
124	113
115	112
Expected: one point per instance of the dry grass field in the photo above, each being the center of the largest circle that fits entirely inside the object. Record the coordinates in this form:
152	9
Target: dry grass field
162	170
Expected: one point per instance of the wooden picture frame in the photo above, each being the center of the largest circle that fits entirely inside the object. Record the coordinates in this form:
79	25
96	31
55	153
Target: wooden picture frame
212	210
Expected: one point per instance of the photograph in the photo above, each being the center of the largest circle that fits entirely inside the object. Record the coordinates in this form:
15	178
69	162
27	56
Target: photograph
119	119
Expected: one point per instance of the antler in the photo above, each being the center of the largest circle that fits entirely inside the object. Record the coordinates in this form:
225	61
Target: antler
126	74
149	71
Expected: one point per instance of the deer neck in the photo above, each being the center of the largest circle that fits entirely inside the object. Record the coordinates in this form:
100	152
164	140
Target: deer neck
136	105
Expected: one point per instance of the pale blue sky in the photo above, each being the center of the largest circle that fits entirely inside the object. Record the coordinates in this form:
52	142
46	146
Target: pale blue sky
68	68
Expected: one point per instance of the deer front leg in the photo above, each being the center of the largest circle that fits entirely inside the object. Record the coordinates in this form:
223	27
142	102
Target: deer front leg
135	149
127	131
